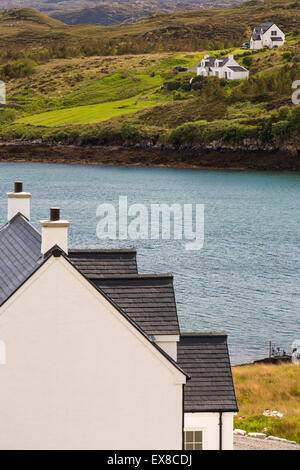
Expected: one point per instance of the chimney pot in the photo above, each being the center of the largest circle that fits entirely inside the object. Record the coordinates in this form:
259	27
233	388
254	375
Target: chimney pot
18	201
54	214
54	232
18	187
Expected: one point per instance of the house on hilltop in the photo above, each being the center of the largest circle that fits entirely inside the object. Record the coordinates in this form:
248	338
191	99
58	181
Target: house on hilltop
222	67
93	356
267	35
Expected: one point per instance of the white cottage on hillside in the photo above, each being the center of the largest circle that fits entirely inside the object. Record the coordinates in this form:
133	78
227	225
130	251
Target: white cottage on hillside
92	354
222	67
267	35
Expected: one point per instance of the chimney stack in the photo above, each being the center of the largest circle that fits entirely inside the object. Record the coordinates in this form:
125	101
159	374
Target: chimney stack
18	201
54	231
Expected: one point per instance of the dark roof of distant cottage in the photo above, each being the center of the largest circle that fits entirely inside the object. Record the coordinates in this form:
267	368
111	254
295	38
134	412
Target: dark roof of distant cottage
263	28
211	61
148	299
204	356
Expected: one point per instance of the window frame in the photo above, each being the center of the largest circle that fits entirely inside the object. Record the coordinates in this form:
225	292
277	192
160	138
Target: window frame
194	442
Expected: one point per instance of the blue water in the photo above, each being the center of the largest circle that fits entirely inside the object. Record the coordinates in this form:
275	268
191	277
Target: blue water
245	280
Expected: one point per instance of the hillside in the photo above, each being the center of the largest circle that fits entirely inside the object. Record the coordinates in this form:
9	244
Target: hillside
188	31
111	12
118	88
268	387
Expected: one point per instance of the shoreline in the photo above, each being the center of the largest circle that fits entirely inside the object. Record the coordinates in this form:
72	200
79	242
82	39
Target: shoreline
136	156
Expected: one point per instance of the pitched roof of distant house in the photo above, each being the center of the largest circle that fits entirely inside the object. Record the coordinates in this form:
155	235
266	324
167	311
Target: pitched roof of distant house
263	28
211	61
266	26
205	357
148	299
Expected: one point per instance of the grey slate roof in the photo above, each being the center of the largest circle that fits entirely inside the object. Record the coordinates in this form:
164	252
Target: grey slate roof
210	61
205	357
20	252
237	68
148	299
266	26
104	262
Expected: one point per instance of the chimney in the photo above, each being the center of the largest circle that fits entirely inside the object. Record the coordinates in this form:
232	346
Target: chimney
54	232
18	201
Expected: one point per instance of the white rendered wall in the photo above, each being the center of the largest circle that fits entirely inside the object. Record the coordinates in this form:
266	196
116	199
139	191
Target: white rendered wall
18	202
78	375
267	37
169	344
209	424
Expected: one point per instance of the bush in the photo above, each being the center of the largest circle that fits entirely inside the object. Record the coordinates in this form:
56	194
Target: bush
247	61
18	69
7	115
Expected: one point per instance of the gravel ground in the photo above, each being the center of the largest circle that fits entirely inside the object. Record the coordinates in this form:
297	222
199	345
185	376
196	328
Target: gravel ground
251	443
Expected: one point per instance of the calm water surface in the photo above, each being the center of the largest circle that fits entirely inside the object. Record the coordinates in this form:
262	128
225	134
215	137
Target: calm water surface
245	280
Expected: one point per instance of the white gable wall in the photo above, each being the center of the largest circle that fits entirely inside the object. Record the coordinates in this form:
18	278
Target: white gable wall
78	375
266	38
208	423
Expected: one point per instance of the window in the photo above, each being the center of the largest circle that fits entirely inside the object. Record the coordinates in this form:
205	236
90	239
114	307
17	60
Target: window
193	440
273	33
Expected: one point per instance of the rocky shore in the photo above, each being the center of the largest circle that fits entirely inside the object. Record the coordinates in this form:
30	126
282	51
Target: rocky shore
211	159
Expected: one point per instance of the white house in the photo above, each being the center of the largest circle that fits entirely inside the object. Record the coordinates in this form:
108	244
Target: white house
267	35
92	354
222	67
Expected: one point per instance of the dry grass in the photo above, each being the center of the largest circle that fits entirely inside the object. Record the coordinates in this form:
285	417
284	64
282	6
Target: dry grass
276	387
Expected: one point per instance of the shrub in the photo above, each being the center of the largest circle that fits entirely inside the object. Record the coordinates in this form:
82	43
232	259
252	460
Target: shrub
7	115
18	69
247	61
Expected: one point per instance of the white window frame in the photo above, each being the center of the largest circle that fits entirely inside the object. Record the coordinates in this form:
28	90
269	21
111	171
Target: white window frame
194	430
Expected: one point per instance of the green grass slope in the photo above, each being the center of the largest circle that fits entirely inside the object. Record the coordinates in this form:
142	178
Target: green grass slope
138	98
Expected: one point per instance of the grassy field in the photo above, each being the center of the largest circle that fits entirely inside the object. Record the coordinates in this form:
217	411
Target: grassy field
275	387
88	114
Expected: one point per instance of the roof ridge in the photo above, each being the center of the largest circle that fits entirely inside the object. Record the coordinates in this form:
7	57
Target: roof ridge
21	216
99	250
132	276
203	333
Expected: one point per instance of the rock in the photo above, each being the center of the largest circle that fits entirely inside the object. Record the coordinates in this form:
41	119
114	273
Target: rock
274	438
258	435
239	432
273	413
